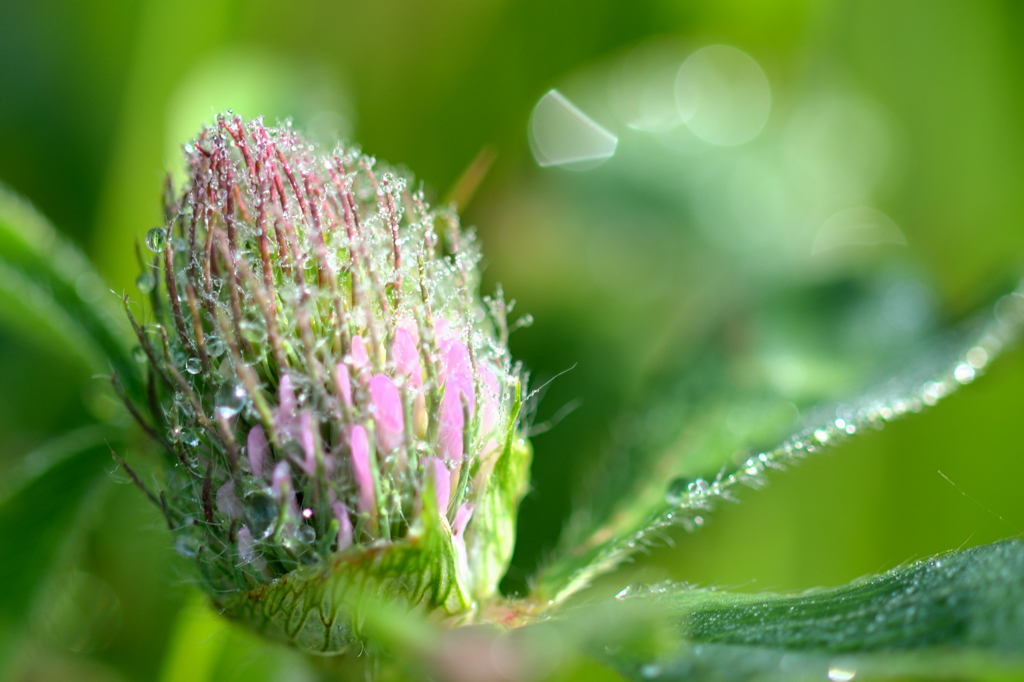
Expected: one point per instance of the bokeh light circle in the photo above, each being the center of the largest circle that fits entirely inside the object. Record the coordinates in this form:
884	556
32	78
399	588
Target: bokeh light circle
723	95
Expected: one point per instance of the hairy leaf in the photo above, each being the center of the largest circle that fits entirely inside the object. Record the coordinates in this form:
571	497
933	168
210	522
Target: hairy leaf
957	616
747	406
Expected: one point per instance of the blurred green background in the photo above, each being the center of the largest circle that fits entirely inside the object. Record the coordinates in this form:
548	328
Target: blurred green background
913	109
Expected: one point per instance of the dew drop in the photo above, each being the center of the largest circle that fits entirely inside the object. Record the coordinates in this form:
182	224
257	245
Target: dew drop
650	671
190	437
841	673
231	398
630	590
139	354
676	492
260	512
254	331
145	283
156	239
977	357
214	347
193	366
305	534
186	545
964	373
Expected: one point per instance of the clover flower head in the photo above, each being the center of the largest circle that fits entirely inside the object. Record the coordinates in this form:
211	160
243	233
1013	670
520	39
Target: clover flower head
337	403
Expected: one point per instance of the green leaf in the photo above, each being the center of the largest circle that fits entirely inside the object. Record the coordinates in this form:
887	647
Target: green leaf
50	291
197	640
736	413
492	536
39	506
957	616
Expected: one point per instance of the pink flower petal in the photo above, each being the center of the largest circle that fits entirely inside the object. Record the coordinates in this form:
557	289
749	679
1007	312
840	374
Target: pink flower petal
360	446
249	553
454	358
344	526
462	517
281	479
344	383
442	483
409	326
307	436
258	451
281	486
228	502
407	357
285	418
388	416
458	388
246	546
360	358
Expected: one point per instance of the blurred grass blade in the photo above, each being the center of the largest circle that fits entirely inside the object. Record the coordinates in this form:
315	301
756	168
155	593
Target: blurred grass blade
726	421
958	616
40	504
50	291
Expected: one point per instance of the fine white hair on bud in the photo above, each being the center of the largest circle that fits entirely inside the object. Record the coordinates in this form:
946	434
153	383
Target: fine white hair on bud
337	403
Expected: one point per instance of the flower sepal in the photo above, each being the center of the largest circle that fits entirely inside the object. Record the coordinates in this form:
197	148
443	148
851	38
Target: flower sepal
321	608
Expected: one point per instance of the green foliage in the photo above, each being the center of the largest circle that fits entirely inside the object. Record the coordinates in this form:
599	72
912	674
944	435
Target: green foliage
964	608
611	264
718	423
41	505
955	616
50	291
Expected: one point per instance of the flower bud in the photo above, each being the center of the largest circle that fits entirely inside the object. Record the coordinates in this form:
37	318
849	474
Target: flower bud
338	405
